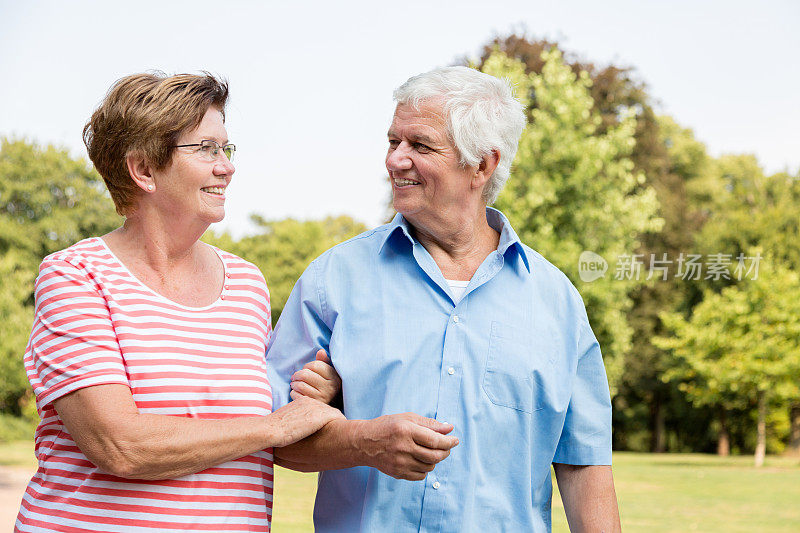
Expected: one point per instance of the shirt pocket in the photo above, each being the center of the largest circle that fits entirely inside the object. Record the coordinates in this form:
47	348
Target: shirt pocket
512	364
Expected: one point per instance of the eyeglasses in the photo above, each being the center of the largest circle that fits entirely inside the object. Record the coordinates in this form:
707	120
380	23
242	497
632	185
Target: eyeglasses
210	149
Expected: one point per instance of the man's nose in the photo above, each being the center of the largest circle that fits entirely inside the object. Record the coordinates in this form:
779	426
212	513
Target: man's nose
398	159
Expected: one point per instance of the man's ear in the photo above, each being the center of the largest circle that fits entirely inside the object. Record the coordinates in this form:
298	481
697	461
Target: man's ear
486	169
140	171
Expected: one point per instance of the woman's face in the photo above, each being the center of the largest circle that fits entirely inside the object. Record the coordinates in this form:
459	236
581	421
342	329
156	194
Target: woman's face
192	186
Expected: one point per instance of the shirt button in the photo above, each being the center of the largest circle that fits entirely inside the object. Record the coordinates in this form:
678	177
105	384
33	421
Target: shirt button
222	297
455	319
436	485
227	275
226	287
451	370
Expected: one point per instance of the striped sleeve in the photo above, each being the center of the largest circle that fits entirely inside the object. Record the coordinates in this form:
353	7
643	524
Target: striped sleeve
72	344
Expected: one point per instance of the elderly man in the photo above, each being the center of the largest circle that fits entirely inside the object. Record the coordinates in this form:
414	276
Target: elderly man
467	362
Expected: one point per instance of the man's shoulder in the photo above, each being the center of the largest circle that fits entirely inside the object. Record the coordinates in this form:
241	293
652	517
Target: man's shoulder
546	268
355	248
547	274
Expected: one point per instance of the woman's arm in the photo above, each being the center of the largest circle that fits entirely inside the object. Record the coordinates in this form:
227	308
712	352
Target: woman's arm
105	423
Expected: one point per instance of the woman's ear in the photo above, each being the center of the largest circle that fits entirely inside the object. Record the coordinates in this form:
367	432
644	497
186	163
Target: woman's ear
140	171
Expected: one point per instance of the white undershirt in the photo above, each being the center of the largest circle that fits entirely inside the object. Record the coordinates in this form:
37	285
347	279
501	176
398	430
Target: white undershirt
457	288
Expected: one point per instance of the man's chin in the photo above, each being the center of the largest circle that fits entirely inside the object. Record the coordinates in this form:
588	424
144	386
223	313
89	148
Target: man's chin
404	207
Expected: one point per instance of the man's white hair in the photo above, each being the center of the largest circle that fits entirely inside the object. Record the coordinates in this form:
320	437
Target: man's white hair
481	115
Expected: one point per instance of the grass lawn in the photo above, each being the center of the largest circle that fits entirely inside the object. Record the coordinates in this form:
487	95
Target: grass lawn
657	493
19	453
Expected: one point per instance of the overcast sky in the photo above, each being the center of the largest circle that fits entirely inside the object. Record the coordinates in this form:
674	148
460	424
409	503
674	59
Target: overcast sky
311	82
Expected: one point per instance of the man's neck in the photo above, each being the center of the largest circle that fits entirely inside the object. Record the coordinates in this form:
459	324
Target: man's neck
458	247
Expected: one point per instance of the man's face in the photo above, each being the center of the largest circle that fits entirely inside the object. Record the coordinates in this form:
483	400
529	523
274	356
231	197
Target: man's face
427	179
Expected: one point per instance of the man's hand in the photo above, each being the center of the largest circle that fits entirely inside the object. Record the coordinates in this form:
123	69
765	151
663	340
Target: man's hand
317	380
404	446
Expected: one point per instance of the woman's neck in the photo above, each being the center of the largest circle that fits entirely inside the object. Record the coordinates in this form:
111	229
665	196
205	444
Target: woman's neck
156	242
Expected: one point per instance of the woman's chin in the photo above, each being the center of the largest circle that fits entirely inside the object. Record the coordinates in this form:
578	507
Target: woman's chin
213	216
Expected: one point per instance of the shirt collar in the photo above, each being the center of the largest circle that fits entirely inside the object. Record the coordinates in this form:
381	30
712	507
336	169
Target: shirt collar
398	226
497	220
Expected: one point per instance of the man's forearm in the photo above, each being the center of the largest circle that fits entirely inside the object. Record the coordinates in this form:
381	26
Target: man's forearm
404	446
331	448
589	498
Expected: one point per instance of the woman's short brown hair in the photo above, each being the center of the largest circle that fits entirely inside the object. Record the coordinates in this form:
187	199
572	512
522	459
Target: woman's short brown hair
146	113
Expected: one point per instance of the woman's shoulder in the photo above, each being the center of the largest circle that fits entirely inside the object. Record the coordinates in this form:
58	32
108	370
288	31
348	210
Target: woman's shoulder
236	266
81	254
81	265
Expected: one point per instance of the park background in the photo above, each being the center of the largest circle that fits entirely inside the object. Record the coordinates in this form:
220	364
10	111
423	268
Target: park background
662	138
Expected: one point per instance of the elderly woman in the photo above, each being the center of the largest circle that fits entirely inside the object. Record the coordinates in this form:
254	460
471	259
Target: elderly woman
147	350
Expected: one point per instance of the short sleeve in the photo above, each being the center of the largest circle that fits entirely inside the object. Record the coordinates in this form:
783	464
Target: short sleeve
586	436
73	344
301	331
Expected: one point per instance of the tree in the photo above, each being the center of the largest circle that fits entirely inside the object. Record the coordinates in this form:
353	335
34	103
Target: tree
749	209
16	317
282	249
741	345
48	200
573	188
684	185
616	90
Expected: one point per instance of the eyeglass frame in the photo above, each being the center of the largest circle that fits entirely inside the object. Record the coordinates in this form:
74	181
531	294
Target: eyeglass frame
219	147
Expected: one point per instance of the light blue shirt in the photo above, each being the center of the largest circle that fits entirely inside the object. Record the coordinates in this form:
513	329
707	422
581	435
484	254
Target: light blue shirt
514	366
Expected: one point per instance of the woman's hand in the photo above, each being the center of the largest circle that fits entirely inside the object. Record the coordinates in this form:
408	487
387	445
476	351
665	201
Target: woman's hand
300	418
317	380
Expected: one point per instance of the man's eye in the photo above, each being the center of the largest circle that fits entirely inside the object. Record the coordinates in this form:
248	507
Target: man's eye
207	148
422	148
394	144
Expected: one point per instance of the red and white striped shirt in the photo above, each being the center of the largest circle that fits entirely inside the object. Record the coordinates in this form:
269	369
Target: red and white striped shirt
97	324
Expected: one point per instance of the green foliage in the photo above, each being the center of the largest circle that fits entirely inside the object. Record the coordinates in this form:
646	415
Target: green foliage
573	188
16	317
684	187
48	200
14	429
740	341
750	210
282	249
